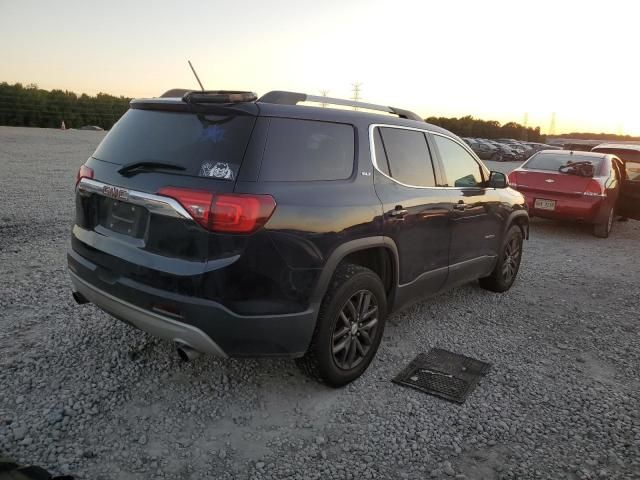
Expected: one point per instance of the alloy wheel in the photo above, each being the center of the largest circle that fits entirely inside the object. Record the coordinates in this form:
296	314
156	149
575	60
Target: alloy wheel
355	329
511	259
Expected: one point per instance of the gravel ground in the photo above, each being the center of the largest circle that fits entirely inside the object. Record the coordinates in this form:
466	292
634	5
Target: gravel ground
83	393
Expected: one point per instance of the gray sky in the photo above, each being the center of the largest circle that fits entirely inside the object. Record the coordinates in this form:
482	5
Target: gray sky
491	59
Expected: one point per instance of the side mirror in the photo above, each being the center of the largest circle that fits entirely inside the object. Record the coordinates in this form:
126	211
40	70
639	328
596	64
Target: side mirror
498	180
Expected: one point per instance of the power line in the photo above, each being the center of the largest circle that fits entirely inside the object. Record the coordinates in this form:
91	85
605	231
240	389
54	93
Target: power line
324	93
7	112
53	105
356	92
48	99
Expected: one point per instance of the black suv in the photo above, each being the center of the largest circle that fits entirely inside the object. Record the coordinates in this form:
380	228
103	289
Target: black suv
244	227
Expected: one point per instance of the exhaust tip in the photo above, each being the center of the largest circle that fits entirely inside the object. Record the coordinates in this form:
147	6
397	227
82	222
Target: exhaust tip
79	298
186	353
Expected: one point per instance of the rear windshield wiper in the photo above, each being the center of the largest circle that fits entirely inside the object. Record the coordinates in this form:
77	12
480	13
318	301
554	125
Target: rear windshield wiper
148	166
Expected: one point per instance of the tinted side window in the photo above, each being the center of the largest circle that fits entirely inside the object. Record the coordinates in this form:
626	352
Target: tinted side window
460	168
617	170
381	155
633	171
409	157
303	150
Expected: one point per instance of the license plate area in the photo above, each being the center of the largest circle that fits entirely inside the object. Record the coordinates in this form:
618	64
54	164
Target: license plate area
543	204
123	217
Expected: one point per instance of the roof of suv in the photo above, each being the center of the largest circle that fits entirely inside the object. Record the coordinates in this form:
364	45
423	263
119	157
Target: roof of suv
289	109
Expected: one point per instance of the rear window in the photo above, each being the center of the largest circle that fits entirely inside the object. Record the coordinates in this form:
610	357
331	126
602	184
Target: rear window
551	162
381	156
205	145
306	150
408	156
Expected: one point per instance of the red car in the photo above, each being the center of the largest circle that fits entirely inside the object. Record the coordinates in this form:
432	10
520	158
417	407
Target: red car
585	186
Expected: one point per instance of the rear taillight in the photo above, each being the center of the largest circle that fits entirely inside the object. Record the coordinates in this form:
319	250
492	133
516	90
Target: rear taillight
224	212
594	189
512	180
240	213
84	172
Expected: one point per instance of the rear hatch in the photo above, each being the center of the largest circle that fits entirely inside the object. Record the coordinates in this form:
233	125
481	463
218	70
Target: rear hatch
126	221
542	174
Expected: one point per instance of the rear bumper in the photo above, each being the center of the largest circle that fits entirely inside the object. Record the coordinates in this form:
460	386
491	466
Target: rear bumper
204	325
582	208
150	322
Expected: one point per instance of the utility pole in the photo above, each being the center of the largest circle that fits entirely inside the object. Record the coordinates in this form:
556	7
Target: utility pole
552	127
324	93
356	92
526	120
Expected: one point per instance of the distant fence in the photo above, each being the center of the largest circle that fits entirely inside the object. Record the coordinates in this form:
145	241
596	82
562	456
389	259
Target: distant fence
33	107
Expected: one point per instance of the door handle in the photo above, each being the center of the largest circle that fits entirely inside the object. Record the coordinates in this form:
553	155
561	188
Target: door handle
460	206
398	212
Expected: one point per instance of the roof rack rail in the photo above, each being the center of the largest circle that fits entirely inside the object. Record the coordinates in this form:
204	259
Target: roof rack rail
293	98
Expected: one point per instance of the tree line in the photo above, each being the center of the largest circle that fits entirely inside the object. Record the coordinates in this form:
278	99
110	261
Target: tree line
30	106
596	136
474	127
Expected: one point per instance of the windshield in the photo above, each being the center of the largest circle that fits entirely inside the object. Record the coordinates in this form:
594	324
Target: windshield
552	162
205	145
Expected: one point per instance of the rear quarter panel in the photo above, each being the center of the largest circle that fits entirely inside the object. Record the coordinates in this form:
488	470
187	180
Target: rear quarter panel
313	218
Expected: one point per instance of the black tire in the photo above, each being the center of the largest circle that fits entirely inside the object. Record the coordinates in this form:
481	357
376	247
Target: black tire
334	327
497	157
506	269
603	229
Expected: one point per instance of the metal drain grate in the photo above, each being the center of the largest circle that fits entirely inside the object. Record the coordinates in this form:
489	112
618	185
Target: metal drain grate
445	374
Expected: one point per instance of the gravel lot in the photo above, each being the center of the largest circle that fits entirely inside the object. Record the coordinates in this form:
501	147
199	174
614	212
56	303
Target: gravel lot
83	393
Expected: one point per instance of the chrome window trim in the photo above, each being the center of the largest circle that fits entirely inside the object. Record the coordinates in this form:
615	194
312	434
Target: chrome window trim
157	204
373	126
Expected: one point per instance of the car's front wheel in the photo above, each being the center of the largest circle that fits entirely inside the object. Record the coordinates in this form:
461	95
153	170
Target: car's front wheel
349	327
508	265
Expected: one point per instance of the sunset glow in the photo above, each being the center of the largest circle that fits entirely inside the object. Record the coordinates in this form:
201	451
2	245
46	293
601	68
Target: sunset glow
493	59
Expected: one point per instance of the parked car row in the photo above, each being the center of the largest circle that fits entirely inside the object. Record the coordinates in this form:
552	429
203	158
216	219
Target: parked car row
590	187
505	149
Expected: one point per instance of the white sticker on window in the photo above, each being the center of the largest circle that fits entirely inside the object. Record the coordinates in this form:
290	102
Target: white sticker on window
216	170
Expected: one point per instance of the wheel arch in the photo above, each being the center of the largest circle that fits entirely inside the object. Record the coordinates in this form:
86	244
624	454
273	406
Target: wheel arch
519	218
376	253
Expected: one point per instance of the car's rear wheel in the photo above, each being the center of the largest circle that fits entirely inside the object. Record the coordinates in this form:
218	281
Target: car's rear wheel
603	229
508	265
497	157
349	327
